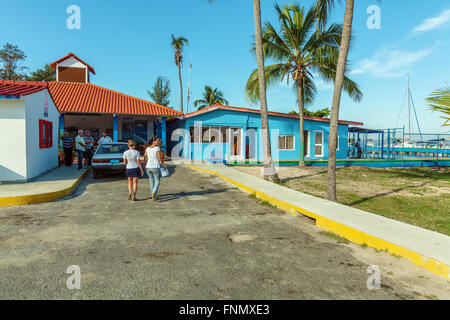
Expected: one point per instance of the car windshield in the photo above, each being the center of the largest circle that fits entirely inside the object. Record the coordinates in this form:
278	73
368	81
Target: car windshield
112	148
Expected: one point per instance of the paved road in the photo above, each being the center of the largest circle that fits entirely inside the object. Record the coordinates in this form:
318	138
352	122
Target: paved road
178	248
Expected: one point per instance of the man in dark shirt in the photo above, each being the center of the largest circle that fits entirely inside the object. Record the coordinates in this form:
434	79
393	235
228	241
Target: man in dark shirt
68	149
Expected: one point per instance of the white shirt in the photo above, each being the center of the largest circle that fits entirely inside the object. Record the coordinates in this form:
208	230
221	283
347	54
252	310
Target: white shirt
152	155
132	157
104	140
79	145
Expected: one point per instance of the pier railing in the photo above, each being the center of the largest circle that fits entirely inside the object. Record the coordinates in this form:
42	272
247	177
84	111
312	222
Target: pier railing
396	144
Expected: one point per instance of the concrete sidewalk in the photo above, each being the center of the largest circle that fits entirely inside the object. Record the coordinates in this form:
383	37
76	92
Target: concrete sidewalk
427	249
56	184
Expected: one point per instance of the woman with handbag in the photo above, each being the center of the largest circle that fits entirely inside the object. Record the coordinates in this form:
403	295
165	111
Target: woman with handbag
154	160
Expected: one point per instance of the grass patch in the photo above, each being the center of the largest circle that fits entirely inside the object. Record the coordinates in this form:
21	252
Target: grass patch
334	236
418	196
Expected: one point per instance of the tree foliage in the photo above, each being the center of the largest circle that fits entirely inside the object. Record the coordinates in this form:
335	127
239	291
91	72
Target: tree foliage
210	97
10	58
439	101
161	91
322	113
46	74
299	50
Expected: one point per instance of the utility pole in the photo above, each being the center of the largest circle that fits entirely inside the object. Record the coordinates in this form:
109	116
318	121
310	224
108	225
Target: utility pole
189	87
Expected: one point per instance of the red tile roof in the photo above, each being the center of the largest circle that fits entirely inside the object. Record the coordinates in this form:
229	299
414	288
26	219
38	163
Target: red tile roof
16	89
271	113
53	64
90	98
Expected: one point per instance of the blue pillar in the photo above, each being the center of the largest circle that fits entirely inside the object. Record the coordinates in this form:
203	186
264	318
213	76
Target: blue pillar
61	128
61	125
389	143
164	133
116	128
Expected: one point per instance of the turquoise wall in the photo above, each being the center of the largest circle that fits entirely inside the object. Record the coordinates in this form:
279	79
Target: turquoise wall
246	120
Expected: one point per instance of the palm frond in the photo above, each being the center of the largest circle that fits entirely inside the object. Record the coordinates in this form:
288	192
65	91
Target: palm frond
439	101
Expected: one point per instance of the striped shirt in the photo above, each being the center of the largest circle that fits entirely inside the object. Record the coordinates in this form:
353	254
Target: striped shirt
89	142
67	142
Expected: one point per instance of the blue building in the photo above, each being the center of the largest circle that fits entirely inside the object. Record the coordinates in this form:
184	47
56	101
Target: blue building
223	133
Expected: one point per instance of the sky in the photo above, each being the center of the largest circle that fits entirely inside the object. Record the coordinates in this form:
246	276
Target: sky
128	44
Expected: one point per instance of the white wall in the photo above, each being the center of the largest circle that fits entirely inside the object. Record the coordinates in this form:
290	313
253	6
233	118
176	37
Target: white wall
40	160
12	142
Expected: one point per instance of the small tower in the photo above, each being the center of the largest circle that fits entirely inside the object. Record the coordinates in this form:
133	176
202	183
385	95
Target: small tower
72	69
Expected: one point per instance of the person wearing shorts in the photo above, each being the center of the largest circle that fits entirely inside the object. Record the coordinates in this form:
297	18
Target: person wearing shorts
132	157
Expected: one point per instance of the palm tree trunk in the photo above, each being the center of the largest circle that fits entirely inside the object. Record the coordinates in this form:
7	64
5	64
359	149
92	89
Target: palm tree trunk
301	116
181	88
338	84
269	172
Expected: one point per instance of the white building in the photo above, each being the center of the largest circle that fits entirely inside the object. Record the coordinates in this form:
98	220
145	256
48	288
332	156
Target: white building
29	122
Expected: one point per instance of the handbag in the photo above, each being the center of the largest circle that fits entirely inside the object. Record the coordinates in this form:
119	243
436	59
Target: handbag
164	172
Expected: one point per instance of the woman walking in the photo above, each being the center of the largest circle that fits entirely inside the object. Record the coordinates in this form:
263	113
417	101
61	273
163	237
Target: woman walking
154	160
132	157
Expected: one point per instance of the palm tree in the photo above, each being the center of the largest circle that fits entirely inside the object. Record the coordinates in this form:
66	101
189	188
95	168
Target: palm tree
299	50
439	101
269	172
210	97
178	45
322	9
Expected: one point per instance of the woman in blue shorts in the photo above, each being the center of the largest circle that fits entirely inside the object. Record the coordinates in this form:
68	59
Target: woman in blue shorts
132	158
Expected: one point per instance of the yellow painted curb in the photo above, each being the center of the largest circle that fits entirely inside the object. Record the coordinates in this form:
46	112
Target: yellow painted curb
346	232
42	197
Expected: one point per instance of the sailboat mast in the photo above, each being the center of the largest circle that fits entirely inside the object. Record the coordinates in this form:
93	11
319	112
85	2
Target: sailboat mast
409	106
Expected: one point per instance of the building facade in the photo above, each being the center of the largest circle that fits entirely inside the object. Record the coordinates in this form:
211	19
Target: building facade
29	130
226	133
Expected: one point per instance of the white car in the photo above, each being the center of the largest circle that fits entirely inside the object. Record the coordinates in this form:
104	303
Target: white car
109	158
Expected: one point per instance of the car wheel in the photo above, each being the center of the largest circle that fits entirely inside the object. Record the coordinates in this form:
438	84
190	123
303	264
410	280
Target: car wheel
95	174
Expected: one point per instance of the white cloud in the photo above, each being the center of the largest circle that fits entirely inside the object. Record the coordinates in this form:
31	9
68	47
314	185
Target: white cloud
433	23
389	63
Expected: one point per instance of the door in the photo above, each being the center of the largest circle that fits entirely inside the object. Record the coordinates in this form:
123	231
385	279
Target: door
236	141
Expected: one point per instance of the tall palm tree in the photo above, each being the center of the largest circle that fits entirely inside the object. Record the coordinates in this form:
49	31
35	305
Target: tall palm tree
299	50
322	10
439	101
178	45
210	97
269	172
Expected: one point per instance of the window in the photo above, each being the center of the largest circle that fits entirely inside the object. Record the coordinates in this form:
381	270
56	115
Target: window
318	147
285	142
45	134
195	134
337	143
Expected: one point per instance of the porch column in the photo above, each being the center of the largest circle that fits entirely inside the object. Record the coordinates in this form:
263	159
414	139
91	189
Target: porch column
115	128
61	125
164	133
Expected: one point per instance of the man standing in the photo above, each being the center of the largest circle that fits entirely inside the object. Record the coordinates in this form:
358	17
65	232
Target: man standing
89	140
104	139
80	145
68	149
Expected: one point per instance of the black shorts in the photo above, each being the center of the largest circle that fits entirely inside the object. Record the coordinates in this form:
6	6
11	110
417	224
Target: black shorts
133	173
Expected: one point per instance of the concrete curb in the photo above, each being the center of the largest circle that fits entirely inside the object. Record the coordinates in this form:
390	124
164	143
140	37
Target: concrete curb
349	233
41	197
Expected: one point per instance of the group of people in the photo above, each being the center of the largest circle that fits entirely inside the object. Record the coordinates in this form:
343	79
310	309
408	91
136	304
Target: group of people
84	145
153	160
